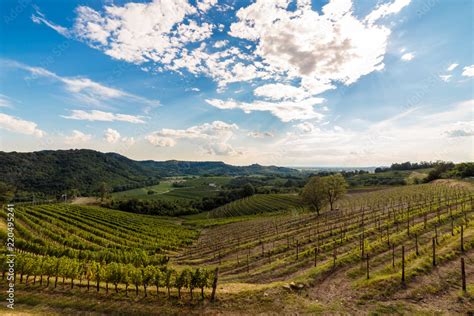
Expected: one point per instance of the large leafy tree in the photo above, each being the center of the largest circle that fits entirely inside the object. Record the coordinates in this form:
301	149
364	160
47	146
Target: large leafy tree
319	191
335	186
314	194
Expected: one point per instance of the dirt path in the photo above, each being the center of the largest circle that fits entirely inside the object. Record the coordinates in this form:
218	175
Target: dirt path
85	200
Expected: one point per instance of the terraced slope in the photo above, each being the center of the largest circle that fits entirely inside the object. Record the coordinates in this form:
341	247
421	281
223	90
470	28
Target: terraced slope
256	204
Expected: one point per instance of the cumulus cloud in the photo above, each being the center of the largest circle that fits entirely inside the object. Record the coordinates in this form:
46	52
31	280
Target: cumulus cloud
304	52
18	125
142	32
211	137
306	127
220	44
286	111
468	71
160	141
111	136
96	115
77	137
408	56
205	5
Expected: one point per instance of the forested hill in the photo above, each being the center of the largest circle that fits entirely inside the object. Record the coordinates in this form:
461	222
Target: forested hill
82	171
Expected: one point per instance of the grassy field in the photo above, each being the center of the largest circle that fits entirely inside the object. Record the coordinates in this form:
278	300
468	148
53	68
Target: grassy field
192	188
291	261
256	204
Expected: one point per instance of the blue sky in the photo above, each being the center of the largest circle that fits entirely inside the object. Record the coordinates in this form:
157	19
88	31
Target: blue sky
298	83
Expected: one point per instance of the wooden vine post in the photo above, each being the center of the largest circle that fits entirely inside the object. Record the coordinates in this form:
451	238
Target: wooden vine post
434	251
403	265
297	249
463	276
416	245
315	255
214	284
367	260
462	238
393	256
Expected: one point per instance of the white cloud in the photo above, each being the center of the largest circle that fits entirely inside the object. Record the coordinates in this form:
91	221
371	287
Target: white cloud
17	125
452	67
468	71
77	137
39	18
258	134
315	50
386	9
129	141
279	91
142	32
96	115
5	102
445	78
220	44
83	88
286	111
111	136
205	5
408	56
306	127
160	141
445	134
210	137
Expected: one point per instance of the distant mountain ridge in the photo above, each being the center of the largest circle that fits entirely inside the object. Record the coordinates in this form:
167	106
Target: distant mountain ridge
53	172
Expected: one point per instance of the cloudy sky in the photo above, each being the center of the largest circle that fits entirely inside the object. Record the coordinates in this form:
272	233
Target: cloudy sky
286	82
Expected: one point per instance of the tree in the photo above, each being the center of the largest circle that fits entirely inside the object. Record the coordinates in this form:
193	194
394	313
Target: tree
168	276
148	275
248	190
7	192
157	279
136	278
114	274
202	278
314	193
89	273
182	280
103	190
98	274
335	186
126	277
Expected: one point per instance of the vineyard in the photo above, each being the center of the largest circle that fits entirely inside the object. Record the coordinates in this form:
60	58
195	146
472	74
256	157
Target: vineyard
374	245
256	204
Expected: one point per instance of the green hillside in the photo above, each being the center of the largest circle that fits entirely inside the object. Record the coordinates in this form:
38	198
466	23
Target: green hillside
53	173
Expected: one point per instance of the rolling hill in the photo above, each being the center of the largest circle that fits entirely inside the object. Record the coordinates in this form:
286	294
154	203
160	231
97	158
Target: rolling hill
55	172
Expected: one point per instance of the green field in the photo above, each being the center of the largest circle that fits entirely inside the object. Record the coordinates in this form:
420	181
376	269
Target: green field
192	188
256	204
